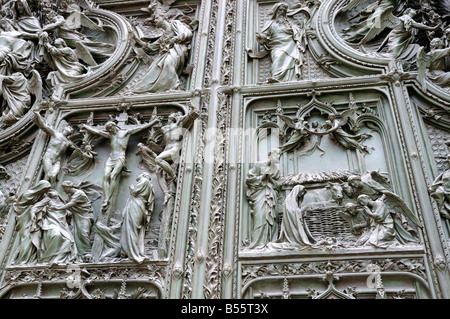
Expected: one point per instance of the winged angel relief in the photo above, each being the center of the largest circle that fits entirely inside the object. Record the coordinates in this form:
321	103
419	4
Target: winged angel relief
173	45
362	211
408	25
333	126
41	48
324	209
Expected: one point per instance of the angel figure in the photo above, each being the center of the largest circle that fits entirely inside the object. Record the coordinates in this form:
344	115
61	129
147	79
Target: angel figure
375	185
90	52
299	136
349	141
70	6
65	62
440	191
434	63
446	40
173	47
373	20
164	7
400	40
83	161
172	132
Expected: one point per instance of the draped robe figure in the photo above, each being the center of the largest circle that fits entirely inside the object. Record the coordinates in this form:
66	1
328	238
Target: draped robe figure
136	217
262	194
372	14
27	23
17	97
65	61
401	39
286	45
437	70
91	52
346	140
173	45
80	206
382	229
294	230
14	52
26	226
58	244
14	88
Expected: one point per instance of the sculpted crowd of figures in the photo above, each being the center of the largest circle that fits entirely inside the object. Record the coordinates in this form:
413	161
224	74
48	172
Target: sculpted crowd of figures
377	217
419	35
42	48
39	51
57	231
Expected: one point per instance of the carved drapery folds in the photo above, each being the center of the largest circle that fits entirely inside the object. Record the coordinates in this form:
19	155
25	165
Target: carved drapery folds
224	149
41	207
324	208
44	49
414	33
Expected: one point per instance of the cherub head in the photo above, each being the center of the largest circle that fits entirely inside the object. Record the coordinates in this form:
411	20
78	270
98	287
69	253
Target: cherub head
331	117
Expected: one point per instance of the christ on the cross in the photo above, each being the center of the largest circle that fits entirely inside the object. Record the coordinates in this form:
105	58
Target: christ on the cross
119	138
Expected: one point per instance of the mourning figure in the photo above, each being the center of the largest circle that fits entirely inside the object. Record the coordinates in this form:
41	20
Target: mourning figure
80	208
136	218
262	194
